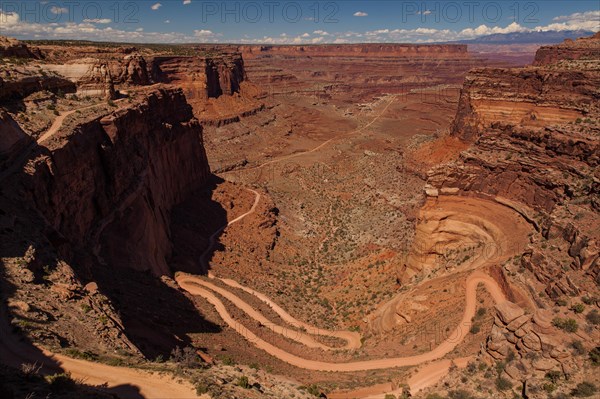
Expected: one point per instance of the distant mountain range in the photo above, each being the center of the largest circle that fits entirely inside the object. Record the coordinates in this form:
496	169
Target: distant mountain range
548	37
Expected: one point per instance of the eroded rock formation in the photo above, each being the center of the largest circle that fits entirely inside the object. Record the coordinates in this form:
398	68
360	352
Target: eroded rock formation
10	47
110	182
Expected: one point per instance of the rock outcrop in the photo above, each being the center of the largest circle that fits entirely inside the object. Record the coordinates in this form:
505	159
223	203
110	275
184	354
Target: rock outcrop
580	49
10	47
97	81
201	78
20	85
109	183
133	70
12	139
534	135
528	342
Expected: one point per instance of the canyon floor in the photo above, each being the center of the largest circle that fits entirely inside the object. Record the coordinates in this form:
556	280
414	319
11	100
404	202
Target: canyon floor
218	222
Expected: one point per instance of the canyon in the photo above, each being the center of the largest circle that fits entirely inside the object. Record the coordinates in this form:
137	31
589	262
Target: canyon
335	220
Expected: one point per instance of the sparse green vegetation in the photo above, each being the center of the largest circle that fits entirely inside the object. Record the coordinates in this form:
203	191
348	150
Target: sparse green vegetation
502	384
593	317
568	325
594	356
578	308
243	382
61	382
227	360
584	390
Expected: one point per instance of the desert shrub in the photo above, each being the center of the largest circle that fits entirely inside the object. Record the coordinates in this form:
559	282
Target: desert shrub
475	328
569	325
61	382
503	384
30	370
243	382
460	394
578	308
553	376
578	347
312	389
85	355
595	356
227	360
549	387
588	300
389	396
202	388
186	357
593	317
434	396
584	389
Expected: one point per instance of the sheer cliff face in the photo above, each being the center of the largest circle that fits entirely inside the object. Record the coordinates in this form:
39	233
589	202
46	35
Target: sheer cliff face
378	50
201	78
109	183
535	146
534	132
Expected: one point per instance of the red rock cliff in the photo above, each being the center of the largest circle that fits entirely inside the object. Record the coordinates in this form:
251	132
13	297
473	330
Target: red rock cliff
586	48
109	183
341	50
201	77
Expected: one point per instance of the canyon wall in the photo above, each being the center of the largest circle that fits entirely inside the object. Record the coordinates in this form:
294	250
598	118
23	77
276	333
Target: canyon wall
534	136
352	50
109	183
201	78
355	72
581	49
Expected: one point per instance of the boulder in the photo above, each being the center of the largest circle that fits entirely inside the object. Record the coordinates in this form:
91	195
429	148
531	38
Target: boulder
509	311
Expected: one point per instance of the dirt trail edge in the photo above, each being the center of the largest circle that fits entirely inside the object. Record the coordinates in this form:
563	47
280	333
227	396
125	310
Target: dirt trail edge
121	380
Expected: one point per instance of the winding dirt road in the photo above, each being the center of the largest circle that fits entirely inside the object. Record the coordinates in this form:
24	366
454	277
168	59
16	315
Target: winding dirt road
56	125
123	381
186	282
190	284
353	339
213	238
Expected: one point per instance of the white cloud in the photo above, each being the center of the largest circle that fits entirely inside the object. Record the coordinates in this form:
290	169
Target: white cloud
167	21
186	2
9	19
360	14
96	29
588	20
426	12
156	6
12	25
483	30
205	35
58	10
98	21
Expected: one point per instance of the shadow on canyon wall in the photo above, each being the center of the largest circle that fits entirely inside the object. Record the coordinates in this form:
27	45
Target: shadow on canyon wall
156	316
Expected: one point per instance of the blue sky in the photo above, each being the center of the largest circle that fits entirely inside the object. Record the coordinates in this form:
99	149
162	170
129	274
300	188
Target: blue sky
281	21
